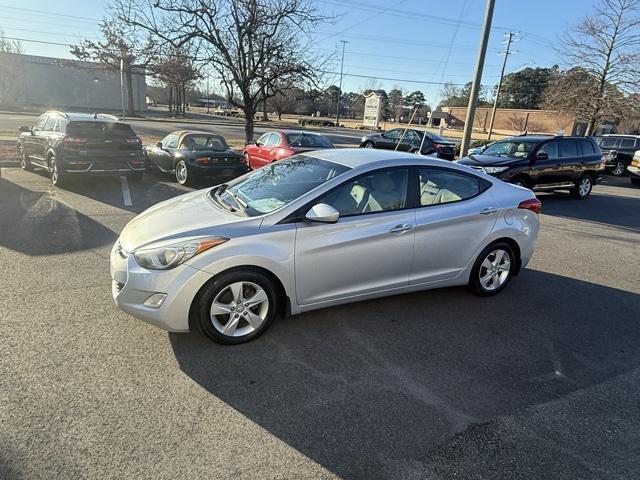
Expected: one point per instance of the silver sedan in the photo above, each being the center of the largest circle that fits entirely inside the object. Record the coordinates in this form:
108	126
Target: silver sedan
317	230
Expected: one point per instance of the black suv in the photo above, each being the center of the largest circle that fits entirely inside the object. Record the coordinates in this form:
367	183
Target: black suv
410	141
69	144
618	151
543	163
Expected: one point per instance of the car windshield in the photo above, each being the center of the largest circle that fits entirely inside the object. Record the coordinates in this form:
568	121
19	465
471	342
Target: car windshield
204	142
303	140
510	149
276	185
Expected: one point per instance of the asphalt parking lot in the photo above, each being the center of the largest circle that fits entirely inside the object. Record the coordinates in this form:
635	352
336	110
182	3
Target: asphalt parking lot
542	381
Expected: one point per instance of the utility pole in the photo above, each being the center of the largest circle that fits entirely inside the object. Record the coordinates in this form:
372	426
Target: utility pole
207	93
344	42
506	54
477	78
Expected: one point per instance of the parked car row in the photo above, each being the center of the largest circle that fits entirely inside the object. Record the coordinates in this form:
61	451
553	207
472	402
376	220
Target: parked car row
411	140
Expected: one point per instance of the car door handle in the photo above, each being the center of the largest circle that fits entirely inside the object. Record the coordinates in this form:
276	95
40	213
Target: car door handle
404	227
488	211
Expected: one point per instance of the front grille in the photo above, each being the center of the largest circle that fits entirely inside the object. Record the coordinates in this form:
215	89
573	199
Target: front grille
116	287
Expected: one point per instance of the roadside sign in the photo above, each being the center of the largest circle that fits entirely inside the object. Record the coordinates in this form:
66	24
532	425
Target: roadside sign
372	105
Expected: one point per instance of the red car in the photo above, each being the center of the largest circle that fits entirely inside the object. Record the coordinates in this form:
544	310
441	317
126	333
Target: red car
281	144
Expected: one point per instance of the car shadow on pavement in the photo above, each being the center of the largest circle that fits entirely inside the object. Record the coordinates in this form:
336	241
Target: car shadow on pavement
368	389
617	211
35	223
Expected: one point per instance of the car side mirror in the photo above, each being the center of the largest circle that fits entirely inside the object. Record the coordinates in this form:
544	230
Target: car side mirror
25	129
323	213
159	144
542	156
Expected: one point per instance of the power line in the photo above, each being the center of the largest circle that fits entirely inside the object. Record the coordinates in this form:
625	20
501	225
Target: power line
44	12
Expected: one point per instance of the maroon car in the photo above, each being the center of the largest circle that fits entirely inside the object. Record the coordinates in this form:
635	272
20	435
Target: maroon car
279	144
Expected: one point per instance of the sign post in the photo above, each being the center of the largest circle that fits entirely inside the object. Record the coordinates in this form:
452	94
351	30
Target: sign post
372	104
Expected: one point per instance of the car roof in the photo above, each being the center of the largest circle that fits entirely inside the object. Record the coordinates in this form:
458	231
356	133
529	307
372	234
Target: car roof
357	157
182	133
296	132
84	117
619	135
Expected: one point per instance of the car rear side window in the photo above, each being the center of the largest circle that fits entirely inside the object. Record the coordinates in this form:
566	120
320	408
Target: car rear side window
627	143
587	147
49	124
568	148
438	186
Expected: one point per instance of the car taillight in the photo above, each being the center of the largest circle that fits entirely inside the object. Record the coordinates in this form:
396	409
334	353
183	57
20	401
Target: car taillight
532	204
244	160
437	145
74	140
203	160
134	140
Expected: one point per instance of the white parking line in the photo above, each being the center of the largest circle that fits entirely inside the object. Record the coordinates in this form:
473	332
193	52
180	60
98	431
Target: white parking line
126	194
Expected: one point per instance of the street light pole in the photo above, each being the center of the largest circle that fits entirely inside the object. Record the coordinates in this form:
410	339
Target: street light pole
495	101
208	94
344	42
475	87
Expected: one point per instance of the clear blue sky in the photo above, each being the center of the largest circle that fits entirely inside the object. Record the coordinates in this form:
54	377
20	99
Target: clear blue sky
410	40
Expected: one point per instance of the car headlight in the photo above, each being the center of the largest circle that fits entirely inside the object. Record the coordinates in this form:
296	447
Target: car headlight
169	256
494	169
363	139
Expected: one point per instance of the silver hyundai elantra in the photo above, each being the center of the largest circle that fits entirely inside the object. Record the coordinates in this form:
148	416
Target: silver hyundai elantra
317	230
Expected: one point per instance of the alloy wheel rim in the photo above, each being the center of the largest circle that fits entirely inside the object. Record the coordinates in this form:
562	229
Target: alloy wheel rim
181	172
368	145
585	186
239	309
495	269
23	158
619	169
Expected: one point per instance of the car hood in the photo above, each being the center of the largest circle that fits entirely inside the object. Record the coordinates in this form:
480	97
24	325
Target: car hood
481	160
185	216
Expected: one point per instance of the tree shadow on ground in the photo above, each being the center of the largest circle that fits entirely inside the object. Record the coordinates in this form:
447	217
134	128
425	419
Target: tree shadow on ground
367	389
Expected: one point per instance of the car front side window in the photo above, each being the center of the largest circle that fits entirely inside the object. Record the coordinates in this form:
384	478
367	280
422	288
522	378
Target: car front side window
39	125
551	149
381	191
170	141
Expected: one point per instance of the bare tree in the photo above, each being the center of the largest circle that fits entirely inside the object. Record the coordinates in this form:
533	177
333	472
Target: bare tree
603	53
175	70
9	46
252	45
121	43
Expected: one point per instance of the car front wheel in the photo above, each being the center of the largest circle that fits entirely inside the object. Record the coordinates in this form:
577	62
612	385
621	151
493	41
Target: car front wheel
236	306
25	164
492	270
583	188
58	174
182	173
368	145
619	169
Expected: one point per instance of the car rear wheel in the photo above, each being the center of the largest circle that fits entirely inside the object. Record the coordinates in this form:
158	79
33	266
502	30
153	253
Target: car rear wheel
59	176
619	169
236	307
519	181
492	270
25	164
583	188
182	173
368	145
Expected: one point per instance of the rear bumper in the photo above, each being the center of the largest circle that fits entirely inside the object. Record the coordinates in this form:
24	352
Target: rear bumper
127	162
211	171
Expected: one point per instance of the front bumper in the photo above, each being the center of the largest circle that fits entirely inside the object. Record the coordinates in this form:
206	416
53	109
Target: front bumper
132	285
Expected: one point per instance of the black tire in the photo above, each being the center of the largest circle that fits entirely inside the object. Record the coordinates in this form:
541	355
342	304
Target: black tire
201	310
520	181
59	176
635	181
25	163
182	173
135	177
583	187
620	169
415	150
368	144
478	270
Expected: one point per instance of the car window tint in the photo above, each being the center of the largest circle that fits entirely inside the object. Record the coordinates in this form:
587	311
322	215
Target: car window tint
381	191
551	149
263	139
303	140
438	186
587	147
627	143
609	142
568	148
393	134
273	140
411	135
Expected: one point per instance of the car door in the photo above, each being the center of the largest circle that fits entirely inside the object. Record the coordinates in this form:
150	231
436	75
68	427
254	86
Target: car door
544	171
369	249
456	212
33	142
409	141
389	140
571	161
163	156
271	147
257	152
